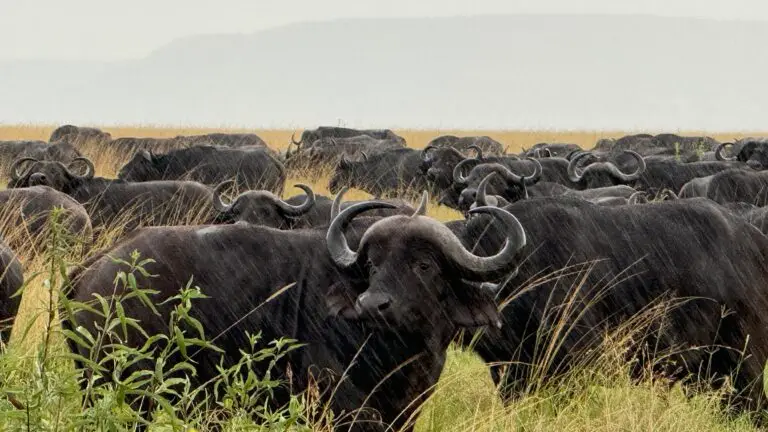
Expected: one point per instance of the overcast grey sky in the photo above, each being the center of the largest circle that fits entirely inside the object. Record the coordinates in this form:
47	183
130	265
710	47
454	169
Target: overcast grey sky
112	30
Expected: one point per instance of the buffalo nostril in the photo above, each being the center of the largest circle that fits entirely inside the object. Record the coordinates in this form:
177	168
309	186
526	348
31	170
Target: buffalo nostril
384	305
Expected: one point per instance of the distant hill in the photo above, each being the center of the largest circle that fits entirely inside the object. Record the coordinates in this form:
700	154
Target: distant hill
537	71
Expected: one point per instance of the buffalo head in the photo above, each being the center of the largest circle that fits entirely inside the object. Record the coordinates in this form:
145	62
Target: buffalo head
260	207
437	164
26	172
79	137
143	166
344	174
600	174
510	185
752	151
418	272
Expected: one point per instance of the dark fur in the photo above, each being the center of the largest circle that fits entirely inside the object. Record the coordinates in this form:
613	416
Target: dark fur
686	248
150	203
252	168
251	263
390	172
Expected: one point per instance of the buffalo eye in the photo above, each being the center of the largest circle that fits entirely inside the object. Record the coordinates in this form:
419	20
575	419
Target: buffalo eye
422	266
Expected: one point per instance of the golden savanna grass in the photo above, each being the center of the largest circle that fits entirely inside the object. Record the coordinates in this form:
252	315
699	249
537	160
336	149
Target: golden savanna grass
596	397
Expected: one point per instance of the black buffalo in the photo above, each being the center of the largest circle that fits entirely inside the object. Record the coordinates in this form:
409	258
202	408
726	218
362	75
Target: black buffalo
730	186
752	151
329	150
301	211
389	172
80	137
309	136
683	148
601	174
251	168
670	174
542	150
382	314
10	151
487	144
11	281
26	214
513	187
588	269
233	140
117	202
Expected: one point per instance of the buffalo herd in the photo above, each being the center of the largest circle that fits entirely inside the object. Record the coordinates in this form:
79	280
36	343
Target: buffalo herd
558	248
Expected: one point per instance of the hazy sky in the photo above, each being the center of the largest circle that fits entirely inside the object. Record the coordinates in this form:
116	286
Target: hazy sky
109	30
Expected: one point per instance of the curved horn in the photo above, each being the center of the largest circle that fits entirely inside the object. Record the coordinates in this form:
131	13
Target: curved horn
421	210
336	204
478	151
458	176
616	172
292	210
479	268
547	152
719	153
17	164
365	156
343	162
335	241
481	197
426	150
639	197
573	174
525	180
293	139
609	166
90	169
218	203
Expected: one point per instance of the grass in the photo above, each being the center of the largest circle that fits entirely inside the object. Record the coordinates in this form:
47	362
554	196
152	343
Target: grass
598	398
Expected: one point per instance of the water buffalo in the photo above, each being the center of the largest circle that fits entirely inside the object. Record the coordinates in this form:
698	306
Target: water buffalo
542	150
487	144
513	187
670	174
439	163
80	137
111	202
26	213
309	136
233	140
601	174
686	148
752	151
730	186
389	172
329	150
589	269
11	281
301	211
380	308
41	150
251	168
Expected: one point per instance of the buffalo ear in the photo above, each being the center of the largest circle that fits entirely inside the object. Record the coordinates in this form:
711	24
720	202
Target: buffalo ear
340	301
474	307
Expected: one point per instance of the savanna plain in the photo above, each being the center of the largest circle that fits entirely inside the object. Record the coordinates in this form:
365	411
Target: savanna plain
38	389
